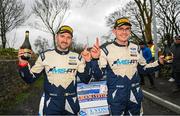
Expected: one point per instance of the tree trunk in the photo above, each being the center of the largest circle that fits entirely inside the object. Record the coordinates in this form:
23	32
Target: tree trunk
54	40
3	33
148	34
3	38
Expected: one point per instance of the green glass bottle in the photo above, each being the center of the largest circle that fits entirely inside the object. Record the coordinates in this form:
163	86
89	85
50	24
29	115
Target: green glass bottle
26	46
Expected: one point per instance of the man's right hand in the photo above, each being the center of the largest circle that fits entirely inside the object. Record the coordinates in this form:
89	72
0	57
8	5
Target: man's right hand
95	51
21	53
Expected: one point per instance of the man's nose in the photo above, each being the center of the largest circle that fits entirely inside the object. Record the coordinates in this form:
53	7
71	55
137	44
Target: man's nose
65	39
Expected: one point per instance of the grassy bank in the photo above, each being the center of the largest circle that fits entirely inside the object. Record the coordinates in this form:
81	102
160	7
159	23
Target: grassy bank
10	106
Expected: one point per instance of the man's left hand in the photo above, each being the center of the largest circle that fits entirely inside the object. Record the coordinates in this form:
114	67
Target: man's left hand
161	59
95	51
86	55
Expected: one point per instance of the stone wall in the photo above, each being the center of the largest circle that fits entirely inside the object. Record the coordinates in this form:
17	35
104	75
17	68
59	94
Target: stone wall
10	82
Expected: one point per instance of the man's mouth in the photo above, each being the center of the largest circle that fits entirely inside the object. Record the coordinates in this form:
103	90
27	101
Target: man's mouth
64	43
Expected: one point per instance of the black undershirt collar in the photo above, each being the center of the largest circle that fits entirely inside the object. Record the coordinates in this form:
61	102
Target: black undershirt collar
119	45
61	52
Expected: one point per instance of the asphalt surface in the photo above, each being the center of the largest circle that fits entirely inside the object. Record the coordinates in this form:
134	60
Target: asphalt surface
163	93
152	108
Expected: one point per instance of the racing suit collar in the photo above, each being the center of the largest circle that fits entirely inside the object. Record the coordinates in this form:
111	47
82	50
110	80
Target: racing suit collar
61	52
119	45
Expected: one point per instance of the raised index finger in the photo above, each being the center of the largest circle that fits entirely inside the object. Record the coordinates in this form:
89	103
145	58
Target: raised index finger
97	42
85	47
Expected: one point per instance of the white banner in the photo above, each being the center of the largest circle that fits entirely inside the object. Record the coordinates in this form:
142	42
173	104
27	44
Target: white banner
93	98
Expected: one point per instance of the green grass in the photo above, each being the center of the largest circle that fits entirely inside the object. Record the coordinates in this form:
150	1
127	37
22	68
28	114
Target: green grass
22	97
39	82
10	104
8	53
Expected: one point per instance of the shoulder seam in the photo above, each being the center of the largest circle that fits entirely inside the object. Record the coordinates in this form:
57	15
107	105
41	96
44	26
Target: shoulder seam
42	54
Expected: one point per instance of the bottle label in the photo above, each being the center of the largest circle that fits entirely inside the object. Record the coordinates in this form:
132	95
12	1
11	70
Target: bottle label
27	54
27	50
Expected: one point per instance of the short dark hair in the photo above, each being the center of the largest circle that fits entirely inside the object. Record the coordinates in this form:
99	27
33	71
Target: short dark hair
150	42
141	43
177	37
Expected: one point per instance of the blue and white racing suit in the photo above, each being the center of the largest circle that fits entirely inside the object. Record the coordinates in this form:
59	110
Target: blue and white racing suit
121	64
60	82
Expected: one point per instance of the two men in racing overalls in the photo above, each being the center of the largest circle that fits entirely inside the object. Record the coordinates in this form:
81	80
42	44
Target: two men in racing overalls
61	68
120	61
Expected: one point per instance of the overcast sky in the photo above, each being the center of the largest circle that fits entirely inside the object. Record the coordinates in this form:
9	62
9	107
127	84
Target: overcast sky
88	21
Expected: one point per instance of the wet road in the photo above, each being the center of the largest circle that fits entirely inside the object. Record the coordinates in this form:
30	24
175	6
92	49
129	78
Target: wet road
151	108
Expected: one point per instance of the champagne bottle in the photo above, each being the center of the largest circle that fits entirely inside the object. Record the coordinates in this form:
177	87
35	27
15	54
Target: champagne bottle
26	46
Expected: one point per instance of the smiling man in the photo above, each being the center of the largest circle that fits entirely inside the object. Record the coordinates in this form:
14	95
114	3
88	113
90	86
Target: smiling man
61	68
120	61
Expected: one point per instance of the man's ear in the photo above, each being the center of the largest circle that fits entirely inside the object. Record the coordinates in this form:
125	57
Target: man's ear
56	36
114	31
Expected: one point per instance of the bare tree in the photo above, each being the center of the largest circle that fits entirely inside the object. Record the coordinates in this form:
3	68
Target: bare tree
41	44
145	9
51	13
79	48
89	2
11	16
168	12
83	2
136	20
11	41
140	13
114	16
